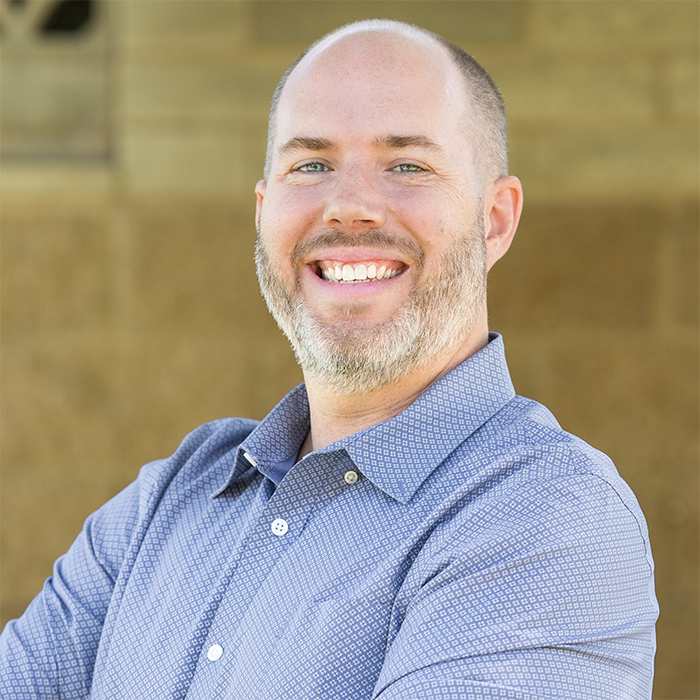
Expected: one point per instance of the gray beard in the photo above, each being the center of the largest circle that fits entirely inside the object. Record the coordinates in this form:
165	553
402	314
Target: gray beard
353	358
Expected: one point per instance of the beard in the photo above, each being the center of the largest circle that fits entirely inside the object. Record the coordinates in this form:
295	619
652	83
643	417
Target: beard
351	357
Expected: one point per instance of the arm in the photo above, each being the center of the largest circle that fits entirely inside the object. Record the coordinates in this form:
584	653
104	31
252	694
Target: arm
50	651
546	592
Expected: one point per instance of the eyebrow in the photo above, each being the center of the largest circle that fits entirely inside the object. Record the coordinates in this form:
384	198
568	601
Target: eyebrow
305	143
407	141
310	143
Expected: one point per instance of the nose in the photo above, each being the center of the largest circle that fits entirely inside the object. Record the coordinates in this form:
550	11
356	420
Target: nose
354	203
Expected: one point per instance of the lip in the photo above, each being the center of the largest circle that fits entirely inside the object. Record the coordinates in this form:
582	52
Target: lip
374	270
371	258
354	256
328	293
354	290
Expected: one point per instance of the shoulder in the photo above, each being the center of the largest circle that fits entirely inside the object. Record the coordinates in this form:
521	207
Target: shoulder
534	483
535	555
526	435
207	453
197	468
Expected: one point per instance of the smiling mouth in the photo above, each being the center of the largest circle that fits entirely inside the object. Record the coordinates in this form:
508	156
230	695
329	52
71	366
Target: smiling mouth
346	273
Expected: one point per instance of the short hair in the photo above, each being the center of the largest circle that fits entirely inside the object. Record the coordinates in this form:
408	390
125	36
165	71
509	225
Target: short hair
488	109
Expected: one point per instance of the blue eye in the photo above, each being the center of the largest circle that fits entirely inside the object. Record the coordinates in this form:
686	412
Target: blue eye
312	168
408	168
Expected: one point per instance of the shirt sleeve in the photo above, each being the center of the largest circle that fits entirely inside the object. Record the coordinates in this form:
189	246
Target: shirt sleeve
50	651
545	593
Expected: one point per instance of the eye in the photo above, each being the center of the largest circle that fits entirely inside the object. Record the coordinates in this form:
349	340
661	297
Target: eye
408	168
313	167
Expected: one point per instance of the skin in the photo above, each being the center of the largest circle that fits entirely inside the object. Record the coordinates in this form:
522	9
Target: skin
370	139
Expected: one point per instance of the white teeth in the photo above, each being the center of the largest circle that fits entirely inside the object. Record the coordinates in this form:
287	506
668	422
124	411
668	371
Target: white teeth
358	273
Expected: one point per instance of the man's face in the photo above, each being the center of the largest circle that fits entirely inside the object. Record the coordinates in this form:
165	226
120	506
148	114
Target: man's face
370	247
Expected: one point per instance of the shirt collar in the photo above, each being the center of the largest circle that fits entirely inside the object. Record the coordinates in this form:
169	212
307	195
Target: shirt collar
422	435
277	438
442	418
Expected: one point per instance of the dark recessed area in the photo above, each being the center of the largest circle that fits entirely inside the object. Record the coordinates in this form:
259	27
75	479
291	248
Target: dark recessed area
69	16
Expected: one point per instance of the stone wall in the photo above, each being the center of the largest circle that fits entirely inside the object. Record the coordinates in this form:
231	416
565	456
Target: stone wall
130	307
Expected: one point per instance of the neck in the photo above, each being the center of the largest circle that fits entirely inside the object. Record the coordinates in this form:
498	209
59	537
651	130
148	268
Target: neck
335	416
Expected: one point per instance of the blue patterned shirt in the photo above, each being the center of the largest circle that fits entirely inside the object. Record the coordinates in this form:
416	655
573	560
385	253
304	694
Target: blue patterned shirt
468	548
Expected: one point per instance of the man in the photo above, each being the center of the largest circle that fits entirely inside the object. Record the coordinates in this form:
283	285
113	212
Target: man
402	525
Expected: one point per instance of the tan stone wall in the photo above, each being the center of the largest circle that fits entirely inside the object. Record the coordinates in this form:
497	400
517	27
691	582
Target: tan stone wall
130	307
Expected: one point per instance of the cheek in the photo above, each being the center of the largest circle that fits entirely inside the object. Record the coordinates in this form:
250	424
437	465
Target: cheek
287	217
284	223
433	210
277	229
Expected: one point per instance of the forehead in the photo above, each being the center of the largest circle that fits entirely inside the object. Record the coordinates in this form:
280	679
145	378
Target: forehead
378	82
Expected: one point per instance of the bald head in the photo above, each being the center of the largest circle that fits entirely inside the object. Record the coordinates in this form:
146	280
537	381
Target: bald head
479	102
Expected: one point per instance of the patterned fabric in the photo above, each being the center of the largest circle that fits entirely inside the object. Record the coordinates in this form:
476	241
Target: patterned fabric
468	548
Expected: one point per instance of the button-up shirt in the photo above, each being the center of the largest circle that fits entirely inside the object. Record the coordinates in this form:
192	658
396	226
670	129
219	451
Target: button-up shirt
467	548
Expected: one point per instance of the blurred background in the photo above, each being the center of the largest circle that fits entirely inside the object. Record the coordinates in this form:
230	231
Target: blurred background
133	132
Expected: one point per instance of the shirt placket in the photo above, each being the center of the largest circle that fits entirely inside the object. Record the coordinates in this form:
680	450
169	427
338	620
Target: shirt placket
280	524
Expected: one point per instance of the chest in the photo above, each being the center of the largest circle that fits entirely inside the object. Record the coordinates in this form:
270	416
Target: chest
261	593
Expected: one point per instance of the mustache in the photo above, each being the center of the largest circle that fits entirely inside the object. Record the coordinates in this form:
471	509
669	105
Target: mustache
371	238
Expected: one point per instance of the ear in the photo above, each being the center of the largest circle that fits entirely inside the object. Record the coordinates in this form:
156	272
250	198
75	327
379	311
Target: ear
260	189
504	202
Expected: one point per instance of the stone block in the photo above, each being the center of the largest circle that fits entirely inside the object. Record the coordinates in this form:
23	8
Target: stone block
595	92
686	301
194	269
176	90
202	344
616	24
55	272
637	400
186	21
54	106
527	355
58	406
609	165
253	151
675	667
675	546
199	159
683	78
279	22
55	87
672	511
577	267
75	431
173	383
60	184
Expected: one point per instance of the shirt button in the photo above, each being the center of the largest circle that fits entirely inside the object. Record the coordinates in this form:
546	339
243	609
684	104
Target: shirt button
215	652
279	527
350	477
